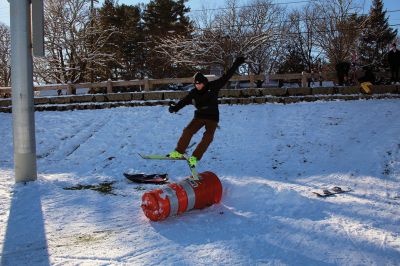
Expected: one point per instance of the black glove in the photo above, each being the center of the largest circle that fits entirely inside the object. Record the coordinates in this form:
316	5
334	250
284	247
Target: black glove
240	60
172	108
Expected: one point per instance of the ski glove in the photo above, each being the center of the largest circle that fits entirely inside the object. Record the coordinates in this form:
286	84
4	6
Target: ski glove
239	60
172	108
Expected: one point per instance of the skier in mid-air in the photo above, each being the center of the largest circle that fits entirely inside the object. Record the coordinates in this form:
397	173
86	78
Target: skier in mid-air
205	98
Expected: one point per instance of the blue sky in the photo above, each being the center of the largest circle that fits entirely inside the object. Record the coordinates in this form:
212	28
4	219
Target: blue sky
394	17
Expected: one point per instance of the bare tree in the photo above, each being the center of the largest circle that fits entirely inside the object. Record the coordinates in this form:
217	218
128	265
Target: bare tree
265	23
73	43
303	35
250	31
339	29
208	45
5	64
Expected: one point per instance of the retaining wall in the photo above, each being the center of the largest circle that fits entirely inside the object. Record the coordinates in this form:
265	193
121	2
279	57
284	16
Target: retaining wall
237	96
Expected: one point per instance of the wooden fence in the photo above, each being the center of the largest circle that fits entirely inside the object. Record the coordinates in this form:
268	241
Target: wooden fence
150	84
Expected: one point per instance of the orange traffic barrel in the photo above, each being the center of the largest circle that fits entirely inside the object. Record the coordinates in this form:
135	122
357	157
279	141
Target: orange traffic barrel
174	199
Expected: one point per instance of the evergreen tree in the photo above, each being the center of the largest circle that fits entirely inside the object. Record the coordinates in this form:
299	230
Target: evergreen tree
126	41
293	62
376	37
163	18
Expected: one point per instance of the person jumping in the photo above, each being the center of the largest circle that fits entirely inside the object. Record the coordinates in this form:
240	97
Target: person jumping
205	98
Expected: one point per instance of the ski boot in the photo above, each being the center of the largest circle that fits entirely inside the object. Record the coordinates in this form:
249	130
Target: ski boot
175	155
192	162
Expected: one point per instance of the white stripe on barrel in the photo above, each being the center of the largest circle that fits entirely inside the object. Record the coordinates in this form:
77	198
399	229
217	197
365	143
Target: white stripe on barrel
173	200
189	193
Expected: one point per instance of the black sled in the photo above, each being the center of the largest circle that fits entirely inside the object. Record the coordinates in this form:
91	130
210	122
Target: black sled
158	179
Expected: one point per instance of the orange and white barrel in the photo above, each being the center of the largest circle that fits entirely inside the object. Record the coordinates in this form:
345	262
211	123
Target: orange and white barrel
174	199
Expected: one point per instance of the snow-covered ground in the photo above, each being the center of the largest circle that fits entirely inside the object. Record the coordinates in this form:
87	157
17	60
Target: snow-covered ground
270	158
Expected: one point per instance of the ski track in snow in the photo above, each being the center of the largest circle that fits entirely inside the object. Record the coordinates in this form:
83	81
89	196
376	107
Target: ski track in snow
270	158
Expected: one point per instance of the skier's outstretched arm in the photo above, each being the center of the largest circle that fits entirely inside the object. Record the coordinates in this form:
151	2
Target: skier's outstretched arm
173	108
219	83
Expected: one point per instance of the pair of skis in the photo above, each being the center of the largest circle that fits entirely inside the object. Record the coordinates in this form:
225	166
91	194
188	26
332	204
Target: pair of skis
160	178
330	192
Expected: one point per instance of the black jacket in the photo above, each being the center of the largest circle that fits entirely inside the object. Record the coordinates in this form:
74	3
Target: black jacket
206	99
394	58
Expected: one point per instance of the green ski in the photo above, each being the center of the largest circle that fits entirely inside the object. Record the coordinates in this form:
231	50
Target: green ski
193	170
158	157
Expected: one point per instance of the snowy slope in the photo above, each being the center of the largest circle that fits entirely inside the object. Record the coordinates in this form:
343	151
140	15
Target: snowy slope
269	158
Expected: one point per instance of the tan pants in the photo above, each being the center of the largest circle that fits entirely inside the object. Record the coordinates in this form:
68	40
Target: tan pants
192	128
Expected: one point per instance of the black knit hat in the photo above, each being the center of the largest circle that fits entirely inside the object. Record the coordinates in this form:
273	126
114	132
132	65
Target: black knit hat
200	78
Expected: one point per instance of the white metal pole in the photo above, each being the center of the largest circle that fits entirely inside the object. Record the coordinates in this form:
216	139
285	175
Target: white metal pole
22	92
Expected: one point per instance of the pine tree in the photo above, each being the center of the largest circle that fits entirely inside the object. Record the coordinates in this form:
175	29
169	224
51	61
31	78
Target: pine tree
127	40
376	37
293	62
164	18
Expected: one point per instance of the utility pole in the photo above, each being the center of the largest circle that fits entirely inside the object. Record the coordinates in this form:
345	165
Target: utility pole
91	39
22	85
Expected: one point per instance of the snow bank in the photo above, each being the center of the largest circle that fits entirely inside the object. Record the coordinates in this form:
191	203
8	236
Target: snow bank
270	158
